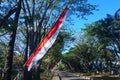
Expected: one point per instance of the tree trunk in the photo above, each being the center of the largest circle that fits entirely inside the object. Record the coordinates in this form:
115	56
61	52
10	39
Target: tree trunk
37	71
9	59
27	75
34	39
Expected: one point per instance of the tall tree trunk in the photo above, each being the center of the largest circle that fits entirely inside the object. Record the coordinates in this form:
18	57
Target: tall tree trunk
37	70
9	59
34	39
27	75
26	48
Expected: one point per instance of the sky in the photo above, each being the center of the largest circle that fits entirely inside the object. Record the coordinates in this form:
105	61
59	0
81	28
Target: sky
104	6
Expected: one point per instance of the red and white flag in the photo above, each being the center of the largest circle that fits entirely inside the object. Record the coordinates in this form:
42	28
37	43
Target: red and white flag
46	43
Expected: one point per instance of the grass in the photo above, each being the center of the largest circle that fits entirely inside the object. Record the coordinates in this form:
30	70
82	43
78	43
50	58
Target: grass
101	76
47	75
106	78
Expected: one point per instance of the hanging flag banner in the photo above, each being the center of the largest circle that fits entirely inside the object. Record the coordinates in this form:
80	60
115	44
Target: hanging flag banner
46	43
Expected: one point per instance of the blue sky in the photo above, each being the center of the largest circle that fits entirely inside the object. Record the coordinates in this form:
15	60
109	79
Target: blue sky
104	6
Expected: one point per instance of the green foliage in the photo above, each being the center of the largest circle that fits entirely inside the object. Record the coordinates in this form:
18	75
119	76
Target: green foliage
106	32
99	48
2	53
35	20
54	54
18	60
61	67
79	55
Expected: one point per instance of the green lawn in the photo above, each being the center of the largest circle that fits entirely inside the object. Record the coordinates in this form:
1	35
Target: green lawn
106	78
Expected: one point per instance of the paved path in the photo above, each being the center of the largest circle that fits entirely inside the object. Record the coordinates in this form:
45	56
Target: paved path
55	77
69	76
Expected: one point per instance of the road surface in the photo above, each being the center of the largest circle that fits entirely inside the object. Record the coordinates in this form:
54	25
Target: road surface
63	75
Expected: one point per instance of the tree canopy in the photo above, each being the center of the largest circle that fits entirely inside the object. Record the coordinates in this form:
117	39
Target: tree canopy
99	47
26	22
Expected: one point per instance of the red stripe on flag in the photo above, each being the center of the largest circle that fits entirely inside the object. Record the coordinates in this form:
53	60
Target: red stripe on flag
48	36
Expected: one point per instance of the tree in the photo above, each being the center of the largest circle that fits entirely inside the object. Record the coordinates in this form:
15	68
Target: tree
46	15
36	18
81	57
54	54
98	48
106	33
9	60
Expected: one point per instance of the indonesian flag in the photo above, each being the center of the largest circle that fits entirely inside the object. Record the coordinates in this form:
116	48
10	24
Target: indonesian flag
46	43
